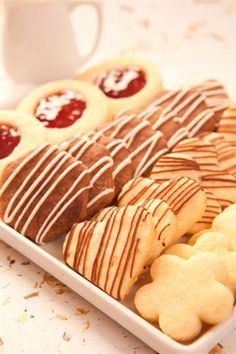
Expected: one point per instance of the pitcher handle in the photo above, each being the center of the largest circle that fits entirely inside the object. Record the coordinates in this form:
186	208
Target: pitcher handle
72	5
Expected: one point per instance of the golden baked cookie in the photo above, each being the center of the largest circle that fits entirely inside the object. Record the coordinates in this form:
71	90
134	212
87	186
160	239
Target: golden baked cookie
129	82
66	108
112	254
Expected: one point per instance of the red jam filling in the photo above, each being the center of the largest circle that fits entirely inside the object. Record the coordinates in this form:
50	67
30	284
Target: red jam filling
9	139
61	109
120	83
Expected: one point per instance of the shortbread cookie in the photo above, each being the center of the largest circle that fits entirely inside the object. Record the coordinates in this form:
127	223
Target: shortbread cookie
66	108
100	166
185	197
216	96
185	294
225	151
226	223
44	193
123	169
19	133
112	254
127	81
214	179
164	221
227	124
211	241
145	145
213	208
175	165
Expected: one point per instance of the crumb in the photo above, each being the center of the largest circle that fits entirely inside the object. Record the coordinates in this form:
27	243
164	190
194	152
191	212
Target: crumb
66	336
25	263
11	261
29	296
55	284
145	23
60	317
22	318
1	342
217	36
194	27
86	326
218	349
79	311
19	275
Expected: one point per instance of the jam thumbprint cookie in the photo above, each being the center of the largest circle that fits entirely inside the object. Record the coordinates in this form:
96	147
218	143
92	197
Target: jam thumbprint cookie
66	108
44	193
19	133
127	81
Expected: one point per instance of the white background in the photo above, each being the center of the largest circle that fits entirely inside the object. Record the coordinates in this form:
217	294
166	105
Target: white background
189	40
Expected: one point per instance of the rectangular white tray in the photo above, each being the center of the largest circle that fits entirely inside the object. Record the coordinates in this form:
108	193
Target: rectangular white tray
49	258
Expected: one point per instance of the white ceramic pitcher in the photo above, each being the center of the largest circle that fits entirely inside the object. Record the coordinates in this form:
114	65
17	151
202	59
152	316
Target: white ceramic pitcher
39	43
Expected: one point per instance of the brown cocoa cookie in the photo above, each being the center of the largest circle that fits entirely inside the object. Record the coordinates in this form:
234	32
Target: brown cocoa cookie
123	169
145	145
216	96
44	193
100	166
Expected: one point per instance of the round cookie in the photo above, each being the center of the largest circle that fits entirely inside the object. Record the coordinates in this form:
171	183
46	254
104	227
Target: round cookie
145	145
123	169
19	133
112	254
127	81
66	108
175	165
184	196
227	124
225	151
44	193
100	166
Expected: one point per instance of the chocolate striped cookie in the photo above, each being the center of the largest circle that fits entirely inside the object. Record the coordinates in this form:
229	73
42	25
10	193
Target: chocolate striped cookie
112	254
227	124
145	145
44	193
100	166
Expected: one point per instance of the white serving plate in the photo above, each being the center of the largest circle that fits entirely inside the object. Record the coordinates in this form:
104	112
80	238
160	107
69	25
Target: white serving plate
49	258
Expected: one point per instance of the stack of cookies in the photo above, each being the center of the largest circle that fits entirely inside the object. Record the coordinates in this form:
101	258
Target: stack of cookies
127	169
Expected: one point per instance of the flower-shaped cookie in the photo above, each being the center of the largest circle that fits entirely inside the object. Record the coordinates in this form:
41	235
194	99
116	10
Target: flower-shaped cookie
211	241
185	294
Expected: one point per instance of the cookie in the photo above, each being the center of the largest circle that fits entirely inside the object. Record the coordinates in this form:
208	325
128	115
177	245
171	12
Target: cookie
225	223
184	196
185	294
227	124
215	242
19	133
127	81
213	208
66	108
123	169
183	165
214	179
175	165
216	96
44	193
145	145
167	123
100	166
226	153
112	254
164	221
